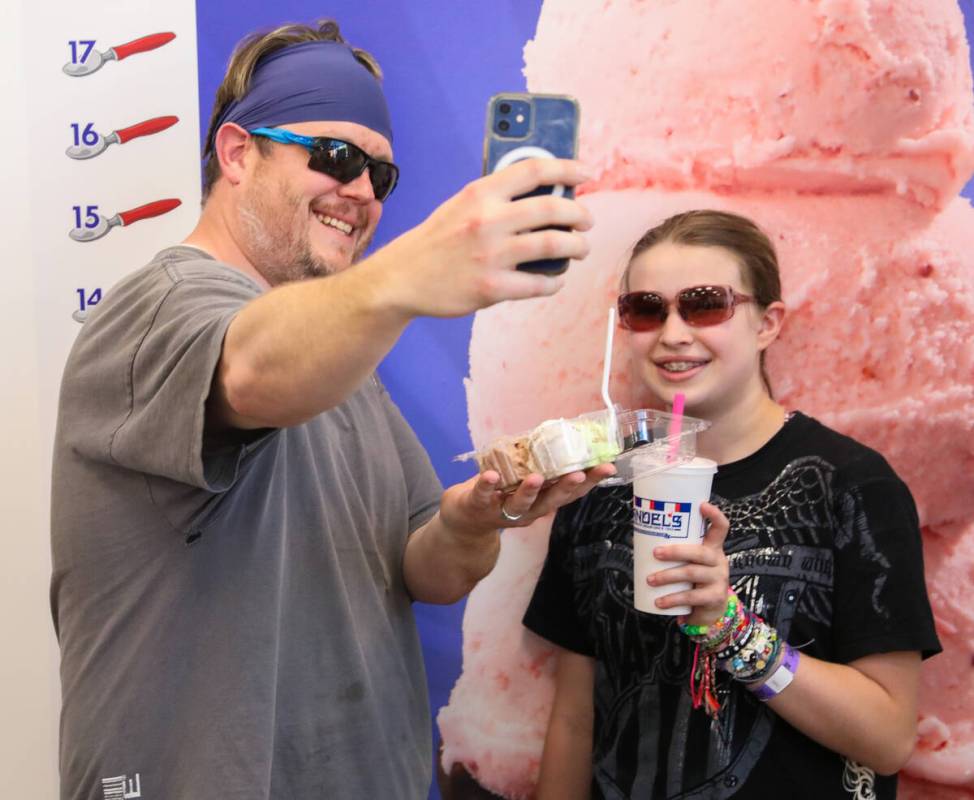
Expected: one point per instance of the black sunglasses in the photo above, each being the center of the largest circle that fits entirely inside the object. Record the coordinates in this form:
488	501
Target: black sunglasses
339	159
699	306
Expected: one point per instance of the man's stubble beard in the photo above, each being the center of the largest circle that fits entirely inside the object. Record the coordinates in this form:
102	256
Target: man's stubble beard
278	239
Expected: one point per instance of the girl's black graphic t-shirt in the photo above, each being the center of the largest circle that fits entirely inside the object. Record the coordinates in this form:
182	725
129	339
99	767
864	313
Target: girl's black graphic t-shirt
824	544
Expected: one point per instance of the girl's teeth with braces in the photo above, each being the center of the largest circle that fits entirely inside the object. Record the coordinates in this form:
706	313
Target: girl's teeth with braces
344	227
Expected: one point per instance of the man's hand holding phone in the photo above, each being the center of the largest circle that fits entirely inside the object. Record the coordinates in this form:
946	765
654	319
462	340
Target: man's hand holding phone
521	126
466	255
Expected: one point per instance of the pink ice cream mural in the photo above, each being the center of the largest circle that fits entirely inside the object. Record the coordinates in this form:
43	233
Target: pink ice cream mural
844	128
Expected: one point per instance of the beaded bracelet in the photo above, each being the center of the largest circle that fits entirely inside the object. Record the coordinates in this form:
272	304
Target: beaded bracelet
738	641
716	628
764	665
741	643
755	648
754	661
728	634
709	639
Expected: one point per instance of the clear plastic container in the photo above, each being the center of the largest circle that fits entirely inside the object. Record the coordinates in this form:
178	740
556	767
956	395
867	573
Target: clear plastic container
648	433
552	449
559	446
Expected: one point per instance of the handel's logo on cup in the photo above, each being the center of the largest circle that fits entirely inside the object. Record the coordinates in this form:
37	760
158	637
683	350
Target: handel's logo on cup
661	517
659	521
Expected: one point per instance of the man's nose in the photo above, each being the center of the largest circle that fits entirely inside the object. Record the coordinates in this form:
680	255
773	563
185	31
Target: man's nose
359	188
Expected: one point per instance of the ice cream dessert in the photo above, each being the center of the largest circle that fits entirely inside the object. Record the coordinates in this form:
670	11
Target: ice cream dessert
601	437
844	128
553	448
561	444
511	458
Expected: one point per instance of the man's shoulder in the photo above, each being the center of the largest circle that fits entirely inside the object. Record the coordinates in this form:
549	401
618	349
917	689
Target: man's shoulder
178	277
181	264
180	284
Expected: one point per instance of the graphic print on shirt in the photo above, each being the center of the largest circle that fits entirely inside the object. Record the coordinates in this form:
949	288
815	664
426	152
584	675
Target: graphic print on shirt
121	787
859	781
781	559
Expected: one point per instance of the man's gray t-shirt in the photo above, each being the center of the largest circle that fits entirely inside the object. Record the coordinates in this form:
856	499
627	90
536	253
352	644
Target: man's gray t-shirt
231	611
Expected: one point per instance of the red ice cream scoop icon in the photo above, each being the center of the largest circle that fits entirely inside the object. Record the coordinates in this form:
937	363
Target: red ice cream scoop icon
121	136
104	225
93	60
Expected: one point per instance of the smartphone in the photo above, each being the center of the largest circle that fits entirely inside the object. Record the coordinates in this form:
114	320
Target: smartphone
521	126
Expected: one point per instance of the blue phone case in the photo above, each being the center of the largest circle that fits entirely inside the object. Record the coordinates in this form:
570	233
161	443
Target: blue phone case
550	126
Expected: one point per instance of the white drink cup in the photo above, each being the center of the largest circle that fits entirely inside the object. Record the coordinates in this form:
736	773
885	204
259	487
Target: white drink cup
666	510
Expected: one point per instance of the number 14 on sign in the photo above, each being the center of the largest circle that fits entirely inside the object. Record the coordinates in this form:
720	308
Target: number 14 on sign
88	297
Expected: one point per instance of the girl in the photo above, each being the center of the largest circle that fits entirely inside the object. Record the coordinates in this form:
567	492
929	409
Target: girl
796	674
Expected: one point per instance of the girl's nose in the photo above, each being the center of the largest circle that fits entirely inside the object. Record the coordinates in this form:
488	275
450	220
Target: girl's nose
675	330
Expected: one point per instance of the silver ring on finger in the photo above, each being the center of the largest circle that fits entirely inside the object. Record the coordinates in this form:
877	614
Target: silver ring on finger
508	516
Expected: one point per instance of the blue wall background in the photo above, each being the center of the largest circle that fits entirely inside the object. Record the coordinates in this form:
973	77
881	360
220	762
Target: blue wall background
442	59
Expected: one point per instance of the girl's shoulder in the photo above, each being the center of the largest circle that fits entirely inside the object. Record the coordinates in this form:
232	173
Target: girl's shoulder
850	459
805	445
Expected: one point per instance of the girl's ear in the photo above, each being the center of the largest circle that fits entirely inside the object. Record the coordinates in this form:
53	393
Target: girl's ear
771	321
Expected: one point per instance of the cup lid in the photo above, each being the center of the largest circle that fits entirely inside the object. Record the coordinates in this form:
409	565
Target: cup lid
698	464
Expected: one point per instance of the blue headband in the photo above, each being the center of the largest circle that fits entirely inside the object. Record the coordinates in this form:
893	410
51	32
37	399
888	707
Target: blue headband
310	82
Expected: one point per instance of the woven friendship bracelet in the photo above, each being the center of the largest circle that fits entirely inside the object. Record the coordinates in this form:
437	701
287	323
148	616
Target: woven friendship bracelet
744	645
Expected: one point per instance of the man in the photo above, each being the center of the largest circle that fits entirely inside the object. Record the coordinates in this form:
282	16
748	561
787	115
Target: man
241	517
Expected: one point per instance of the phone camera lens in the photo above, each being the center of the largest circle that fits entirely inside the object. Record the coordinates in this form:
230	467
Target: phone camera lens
503	126
504	108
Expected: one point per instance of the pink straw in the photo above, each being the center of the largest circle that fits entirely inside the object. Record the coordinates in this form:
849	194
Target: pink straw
676	425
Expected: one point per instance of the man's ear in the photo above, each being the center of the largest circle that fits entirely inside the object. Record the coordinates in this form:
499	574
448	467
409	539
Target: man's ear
231	146
772	318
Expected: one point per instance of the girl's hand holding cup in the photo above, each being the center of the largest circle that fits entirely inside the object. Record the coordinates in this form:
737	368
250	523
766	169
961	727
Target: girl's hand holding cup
704	565
679	568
